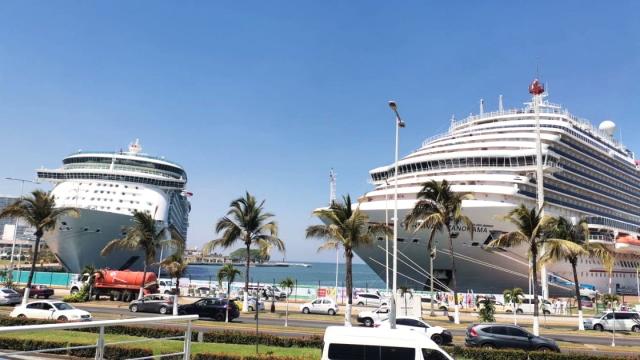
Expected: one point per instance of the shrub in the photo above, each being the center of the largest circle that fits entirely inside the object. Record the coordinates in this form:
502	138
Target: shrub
242	337
487	311
209	356
111	351
80	296
486	354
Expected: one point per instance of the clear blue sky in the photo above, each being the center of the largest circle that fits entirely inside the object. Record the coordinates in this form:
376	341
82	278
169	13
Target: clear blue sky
267	96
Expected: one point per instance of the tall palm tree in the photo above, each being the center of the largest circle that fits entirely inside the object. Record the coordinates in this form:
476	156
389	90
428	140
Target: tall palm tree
404	291
39	211
247	222
175	266
530	231
439	209
287	284
513	296
228	273
346	228
144	235
578	235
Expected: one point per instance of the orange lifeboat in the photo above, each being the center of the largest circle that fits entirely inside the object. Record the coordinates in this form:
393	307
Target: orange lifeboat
628	244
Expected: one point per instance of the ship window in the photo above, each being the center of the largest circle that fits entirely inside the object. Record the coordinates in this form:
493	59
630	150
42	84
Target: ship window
415	241
97	230
400	240
126	187
117	208
86	229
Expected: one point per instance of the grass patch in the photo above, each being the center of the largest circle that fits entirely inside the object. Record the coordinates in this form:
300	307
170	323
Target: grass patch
163	346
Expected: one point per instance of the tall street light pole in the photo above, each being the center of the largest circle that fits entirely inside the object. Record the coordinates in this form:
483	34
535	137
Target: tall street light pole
399	124
15	229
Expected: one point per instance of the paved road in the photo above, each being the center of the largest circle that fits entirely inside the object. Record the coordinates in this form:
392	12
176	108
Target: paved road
321	324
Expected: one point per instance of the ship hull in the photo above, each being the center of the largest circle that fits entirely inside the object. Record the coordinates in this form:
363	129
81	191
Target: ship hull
78	241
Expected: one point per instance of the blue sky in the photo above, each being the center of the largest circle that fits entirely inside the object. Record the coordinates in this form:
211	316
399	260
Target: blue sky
268	96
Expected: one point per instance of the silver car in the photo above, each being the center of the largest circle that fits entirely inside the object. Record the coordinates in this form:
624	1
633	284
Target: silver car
9	297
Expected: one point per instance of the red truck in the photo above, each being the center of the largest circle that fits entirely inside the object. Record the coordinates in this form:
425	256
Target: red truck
120	285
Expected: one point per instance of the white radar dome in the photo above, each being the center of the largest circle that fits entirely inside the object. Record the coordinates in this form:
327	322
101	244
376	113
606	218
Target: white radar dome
608	126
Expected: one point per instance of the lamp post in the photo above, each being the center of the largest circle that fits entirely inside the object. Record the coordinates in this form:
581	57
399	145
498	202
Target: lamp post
15	229
399	124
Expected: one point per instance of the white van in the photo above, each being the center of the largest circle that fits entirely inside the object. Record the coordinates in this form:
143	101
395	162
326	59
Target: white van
356	343
621	320
526	306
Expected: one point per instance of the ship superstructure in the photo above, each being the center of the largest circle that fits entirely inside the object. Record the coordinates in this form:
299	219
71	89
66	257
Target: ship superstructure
107	188
492	156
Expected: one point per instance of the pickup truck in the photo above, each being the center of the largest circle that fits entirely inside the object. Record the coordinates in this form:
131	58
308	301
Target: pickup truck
38	291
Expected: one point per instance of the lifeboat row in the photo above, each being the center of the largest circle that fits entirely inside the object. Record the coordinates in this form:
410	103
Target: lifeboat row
628	244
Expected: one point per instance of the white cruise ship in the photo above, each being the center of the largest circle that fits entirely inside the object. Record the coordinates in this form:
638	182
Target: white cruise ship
492	156
107	187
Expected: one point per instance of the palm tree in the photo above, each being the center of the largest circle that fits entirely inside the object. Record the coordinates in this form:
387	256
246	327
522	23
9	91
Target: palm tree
93	274
578	235
513	296
346	228
176	266
246	221
39	211
287	283
404	291
440	209
531	227
144	235
229	273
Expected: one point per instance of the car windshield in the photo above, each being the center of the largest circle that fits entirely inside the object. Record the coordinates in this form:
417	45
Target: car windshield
63	306
8	291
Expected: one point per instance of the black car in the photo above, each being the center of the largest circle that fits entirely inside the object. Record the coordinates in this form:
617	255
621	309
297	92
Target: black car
155	303
210	308
507	336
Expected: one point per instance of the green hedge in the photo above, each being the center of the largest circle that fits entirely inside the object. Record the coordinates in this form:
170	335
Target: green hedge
486	354
111	351
207	356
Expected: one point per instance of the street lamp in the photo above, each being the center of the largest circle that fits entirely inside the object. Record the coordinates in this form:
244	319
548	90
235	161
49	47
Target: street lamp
15	229
399	124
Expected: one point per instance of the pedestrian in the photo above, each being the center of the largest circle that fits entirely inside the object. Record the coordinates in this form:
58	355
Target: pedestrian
563	306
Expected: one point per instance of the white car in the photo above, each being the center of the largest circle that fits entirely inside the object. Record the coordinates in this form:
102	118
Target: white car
368	318
320	306
438	334
251	304
370	299
50	310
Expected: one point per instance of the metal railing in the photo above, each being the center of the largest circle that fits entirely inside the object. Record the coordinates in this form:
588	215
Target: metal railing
101	343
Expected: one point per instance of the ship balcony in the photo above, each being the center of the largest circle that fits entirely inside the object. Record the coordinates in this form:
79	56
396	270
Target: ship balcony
601	239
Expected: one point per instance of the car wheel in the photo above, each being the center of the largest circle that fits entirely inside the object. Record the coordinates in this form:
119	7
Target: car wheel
250	308
73	291
305	310
636	329
360	303
543	349
519	312
368	322
218	317
598	327
546	312
488	346
167	292
332	312
133	308
163	310
182	312
22	316
46	297
437	338
63	319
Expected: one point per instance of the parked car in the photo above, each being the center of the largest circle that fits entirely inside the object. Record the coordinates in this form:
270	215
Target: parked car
586	301
50	310
341	342
210	308
526	307
9	297
507	336
438	334
38	291
624	321
155	303
320	306
166	287
251	304
368	318
370	299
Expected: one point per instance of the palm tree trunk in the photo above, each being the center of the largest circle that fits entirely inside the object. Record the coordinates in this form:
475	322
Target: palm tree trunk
226	319
177	296
245	302
25	297
534	269
349	283
144	275
577	285
454	285
431	282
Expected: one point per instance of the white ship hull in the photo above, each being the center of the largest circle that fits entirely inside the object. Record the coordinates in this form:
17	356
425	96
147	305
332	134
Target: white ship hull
77	241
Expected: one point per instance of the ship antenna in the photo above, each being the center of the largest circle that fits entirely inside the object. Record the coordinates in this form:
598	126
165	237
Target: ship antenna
481	107
500	107
332	187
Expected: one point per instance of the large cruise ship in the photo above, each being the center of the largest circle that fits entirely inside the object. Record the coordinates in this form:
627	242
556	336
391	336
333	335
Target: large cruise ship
492	156
106	188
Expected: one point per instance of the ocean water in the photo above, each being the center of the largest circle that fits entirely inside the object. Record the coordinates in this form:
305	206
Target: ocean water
318	273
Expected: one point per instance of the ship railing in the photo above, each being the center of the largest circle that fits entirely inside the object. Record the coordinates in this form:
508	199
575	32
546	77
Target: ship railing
601	238
141	155
101	342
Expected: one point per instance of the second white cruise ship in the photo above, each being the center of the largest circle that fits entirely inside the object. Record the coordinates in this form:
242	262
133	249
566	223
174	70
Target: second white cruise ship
492	155
106	188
